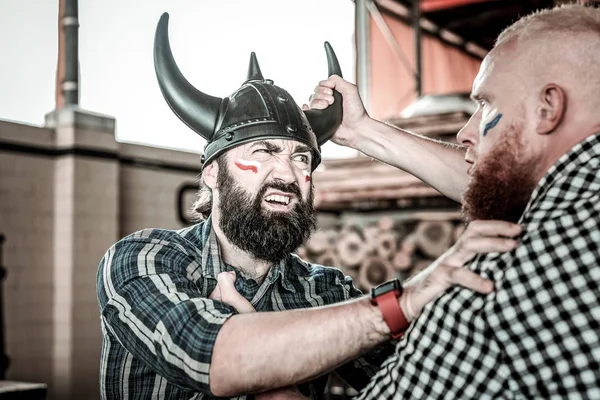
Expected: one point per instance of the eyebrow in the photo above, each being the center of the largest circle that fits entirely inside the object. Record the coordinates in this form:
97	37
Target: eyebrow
302	149
276	149
268	145
478	96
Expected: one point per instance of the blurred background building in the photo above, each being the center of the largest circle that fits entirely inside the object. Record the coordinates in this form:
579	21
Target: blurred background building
69	188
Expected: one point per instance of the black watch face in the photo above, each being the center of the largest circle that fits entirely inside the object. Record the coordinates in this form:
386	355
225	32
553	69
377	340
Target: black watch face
389	286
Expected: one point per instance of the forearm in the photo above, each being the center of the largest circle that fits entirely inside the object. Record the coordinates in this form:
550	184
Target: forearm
439	164
261	351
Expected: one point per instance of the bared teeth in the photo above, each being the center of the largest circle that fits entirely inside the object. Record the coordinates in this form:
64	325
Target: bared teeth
278	199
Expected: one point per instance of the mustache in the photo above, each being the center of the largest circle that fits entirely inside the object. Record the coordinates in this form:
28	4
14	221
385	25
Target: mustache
291	188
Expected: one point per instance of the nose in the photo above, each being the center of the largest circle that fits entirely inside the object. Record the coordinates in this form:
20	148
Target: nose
469	134
284	171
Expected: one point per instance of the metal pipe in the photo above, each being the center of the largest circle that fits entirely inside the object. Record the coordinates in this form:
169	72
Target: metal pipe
4	360
70	25
362	27
416	18
389	37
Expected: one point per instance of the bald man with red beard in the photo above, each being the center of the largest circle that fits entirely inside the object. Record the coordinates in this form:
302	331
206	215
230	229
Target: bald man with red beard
529	154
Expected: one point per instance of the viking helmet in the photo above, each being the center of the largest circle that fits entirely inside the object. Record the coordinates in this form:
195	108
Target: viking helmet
258	110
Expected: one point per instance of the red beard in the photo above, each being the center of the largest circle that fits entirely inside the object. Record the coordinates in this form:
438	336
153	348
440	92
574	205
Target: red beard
502	181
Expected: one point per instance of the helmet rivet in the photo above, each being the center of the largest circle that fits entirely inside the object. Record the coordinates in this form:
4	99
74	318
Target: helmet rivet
202	158
282	99
291	128
229	136
269	81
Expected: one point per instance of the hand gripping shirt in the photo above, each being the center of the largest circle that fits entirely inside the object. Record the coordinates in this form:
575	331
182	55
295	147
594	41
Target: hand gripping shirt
537	335
159	327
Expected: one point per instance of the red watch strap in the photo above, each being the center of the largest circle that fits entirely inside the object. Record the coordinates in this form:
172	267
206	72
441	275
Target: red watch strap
392	313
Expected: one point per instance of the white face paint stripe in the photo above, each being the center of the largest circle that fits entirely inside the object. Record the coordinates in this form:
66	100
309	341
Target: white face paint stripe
306	174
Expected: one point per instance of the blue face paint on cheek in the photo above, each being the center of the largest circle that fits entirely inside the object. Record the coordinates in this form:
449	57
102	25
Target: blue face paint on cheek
491	124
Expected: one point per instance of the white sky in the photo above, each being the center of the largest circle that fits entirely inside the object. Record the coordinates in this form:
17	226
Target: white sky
211	42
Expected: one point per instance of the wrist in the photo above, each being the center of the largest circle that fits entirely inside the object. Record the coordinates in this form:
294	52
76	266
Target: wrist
377	330
386	297
362	132
407	307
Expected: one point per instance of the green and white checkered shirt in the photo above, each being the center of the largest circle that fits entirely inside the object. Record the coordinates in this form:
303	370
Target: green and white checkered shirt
159	327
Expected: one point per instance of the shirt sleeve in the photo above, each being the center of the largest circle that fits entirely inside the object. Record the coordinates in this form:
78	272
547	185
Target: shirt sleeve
153	299
546	313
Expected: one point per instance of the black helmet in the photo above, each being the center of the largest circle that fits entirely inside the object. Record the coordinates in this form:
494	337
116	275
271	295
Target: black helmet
258	110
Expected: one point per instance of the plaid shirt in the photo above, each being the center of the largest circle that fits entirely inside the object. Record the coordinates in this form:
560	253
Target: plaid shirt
159	327
537	335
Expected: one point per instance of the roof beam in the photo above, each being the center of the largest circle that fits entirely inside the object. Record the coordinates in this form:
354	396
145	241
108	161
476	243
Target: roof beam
438	5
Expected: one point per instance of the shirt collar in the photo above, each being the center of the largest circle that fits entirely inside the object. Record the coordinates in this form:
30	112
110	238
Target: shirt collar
279	270
579	155
213	265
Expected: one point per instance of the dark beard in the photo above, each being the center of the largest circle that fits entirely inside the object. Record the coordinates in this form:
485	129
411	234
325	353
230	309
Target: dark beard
269	236
502	183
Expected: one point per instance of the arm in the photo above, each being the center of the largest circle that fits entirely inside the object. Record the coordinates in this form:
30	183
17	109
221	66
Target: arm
226	292
439	164
159	315
277	349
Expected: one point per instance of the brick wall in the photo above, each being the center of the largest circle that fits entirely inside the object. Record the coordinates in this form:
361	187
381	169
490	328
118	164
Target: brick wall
68	192
26	219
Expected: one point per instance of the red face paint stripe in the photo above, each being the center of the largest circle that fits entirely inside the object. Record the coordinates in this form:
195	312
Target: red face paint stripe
246	167
307	175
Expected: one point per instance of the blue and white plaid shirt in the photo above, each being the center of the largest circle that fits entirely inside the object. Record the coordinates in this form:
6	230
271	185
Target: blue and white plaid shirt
537	335
159	327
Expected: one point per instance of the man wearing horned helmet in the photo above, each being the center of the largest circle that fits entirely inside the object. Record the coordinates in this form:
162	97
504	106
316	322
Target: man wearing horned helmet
177	307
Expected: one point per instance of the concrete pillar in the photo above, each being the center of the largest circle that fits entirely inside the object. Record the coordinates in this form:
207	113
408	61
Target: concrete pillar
86	199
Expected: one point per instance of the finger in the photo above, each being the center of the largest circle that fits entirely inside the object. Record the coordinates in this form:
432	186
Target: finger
305	107
323	90
230	295
489	244
215	294
492	228
326	83
468	279
320	104
341	85
322	96
227	281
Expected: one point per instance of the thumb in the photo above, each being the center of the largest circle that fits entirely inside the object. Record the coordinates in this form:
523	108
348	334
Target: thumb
340	84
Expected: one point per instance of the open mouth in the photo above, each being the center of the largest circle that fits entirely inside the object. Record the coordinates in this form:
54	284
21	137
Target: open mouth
279	201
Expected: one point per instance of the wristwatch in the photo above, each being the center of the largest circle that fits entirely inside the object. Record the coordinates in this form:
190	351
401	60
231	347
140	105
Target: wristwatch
386	296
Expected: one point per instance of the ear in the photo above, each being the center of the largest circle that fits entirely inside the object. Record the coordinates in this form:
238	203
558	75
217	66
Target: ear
552	108
209	174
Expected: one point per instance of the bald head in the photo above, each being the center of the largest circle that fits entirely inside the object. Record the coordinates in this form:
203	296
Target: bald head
560	46
567	19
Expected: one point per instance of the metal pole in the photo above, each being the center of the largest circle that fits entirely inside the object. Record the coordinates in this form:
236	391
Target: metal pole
362	27
4	360
416	17
70	24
